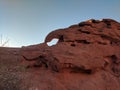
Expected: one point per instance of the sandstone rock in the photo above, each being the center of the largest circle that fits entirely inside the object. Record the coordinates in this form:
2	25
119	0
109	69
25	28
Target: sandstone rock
90	49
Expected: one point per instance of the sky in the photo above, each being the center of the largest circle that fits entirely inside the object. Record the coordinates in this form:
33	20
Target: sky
27	22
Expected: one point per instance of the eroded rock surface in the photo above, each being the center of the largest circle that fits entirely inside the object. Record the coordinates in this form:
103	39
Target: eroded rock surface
88	53
87	47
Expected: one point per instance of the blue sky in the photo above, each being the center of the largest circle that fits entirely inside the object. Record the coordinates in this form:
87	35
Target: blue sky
27	22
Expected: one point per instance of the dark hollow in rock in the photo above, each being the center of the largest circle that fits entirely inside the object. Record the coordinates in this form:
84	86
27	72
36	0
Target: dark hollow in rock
73	45
87	32
82	24
114	58
61	38
77	69
82	41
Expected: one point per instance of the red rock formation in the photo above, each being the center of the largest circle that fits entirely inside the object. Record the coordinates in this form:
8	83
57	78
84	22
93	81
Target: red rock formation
86	57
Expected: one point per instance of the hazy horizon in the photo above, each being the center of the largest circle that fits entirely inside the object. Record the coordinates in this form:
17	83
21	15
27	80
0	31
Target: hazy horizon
27	22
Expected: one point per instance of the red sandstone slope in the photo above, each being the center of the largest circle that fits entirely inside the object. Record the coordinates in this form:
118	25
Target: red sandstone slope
86	57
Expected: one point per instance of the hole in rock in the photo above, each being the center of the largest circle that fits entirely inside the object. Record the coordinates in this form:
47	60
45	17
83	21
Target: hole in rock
108	25
102	43
94	21
107	22
115	43
81	70
53	42
61	38
82	24
87	32
83	41
73	45
114	58
88	71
